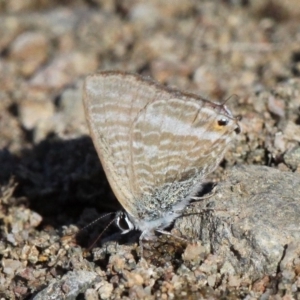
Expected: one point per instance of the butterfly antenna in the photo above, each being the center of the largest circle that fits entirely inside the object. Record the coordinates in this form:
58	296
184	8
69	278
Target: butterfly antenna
235	96
97	220
71	235
100	235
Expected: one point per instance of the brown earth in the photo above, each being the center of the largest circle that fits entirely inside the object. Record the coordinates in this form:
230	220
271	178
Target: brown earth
51	179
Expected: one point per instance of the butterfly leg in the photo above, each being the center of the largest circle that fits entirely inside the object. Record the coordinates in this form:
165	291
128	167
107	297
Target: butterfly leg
146	235
173	235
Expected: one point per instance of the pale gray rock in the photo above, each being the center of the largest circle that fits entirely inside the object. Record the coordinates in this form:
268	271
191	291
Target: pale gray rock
69	286
250	220
29	50
91	294
71	104
32	112
292	158
62	70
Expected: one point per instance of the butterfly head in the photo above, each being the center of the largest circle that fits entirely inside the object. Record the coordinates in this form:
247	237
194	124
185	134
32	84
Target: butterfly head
226	121
123	222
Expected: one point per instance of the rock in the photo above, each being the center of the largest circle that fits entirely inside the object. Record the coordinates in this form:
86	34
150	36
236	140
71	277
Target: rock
20	5
145	13
71	104
69	286
9	29
276	106
167	8
194	253
205	79
10	266
105	290
32	112
255	214
91	294
29	50
292	132
62	70
279	10
132	279
292	158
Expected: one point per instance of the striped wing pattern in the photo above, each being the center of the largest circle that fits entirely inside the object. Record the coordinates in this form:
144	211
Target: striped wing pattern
111	104
148	136
174	140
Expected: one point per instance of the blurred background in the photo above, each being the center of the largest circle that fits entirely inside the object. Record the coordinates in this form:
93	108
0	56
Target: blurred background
212	48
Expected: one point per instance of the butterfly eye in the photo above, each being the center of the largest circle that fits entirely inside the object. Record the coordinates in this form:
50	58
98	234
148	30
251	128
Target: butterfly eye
223	122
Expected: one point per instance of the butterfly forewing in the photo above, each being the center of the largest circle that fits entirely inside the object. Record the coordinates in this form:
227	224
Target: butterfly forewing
112	102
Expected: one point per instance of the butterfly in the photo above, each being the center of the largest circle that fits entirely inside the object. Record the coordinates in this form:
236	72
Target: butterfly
156	145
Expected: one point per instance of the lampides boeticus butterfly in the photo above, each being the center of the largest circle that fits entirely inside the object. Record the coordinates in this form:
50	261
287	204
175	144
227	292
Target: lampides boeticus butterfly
156	145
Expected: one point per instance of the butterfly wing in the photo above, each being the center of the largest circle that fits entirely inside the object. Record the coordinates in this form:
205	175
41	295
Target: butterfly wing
145	142
177	139
112	101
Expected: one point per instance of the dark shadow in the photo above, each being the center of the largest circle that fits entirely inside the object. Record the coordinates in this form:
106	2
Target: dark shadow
61	179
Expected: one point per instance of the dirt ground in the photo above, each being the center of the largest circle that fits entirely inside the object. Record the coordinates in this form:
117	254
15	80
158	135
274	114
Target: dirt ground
51	180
